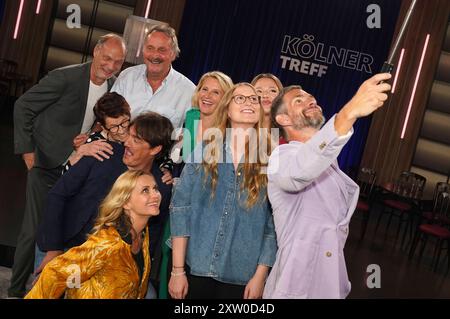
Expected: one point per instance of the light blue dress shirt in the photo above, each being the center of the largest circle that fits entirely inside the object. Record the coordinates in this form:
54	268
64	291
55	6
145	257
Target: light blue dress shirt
172	99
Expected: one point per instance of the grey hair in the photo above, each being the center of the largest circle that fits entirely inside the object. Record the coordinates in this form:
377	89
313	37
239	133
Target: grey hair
104	38
168	31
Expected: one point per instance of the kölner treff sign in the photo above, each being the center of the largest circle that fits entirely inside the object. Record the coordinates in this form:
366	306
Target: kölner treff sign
305	56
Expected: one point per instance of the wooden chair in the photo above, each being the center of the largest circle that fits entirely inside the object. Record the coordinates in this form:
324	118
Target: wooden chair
11	79
402	201
428	215
366	181
435	227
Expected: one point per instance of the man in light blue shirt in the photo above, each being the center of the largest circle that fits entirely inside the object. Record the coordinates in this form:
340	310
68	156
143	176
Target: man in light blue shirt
155	85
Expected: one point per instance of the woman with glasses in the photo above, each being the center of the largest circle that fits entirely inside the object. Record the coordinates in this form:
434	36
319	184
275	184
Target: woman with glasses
223	238
112	112
114	261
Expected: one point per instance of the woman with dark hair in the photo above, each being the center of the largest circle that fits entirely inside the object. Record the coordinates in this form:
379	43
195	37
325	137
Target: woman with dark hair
112	113
114	261
221	223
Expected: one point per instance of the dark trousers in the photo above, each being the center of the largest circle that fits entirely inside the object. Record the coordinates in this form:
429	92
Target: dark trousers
208	288
39	182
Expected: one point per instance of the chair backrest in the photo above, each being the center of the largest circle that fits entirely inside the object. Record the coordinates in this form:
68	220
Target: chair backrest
410	185
442	209
7	67
366	181
441	187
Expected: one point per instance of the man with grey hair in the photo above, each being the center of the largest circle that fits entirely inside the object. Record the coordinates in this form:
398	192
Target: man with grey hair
46	120
312	199
155	85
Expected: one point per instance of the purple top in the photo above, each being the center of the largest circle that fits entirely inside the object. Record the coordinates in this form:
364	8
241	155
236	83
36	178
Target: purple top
312	202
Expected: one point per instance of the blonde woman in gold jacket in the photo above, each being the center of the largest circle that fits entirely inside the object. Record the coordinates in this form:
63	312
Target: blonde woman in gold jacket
114	262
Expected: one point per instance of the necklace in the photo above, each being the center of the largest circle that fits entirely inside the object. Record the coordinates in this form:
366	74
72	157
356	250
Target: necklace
136	243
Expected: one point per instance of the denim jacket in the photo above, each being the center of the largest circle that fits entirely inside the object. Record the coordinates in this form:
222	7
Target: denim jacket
227	240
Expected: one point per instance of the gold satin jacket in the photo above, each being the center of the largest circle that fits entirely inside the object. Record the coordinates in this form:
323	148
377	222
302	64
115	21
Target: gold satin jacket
101	268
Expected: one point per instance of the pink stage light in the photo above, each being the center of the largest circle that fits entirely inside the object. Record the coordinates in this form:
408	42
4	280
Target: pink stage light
398	71
147	11
38	7
19	17
405	123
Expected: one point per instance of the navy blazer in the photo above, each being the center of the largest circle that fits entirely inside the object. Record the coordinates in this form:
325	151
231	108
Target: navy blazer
72	204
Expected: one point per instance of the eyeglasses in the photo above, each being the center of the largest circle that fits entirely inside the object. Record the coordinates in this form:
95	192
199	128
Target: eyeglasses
115	129
269	92
240	99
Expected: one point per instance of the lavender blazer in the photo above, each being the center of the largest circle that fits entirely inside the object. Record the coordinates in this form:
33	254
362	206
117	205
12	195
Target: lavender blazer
312	201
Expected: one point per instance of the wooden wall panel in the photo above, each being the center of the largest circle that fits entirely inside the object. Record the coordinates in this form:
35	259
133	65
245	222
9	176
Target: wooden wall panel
170	11
27	50
385	151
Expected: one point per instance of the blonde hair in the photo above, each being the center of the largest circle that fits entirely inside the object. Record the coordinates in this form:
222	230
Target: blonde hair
224	80
111	212
253	180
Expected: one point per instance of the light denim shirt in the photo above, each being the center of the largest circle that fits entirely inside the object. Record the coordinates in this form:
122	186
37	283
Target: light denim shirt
227	240
172	99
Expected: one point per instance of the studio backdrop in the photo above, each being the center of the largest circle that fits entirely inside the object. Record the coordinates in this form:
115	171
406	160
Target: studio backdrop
2	9
329	47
